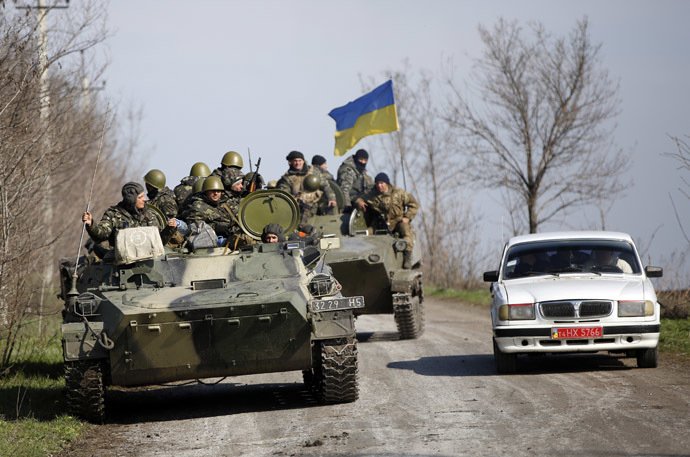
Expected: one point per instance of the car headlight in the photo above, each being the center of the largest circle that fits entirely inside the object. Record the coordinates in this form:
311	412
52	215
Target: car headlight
635	308
516	312
323	284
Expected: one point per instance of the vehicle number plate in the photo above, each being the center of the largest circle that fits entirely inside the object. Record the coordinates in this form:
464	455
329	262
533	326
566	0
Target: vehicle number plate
562	333
334	304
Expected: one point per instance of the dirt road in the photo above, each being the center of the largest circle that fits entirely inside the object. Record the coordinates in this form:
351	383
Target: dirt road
438	395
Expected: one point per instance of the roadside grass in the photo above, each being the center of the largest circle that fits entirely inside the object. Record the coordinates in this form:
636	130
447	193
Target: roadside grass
675	332
32	405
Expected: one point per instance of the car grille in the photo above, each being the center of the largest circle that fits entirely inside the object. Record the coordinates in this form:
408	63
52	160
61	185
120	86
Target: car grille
576	309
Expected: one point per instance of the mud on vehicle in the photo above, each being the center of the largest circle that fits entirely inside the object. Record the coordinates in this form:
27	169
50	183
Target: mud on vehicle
147	315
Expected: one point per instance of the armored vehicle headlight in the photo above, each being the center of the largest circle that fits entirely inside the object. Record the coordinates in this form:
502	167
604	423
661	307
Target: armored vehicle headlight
635	308
87	304
323	285
516	312
400	245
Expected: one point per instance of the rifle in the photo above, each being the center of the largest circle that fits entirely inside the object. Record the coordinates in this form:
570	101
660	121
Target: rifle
252	183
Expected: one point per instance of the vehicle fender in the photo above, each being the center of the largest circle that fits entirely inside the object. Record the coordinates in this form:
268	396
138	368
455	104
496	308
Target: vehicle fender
333	324
404	281
80	342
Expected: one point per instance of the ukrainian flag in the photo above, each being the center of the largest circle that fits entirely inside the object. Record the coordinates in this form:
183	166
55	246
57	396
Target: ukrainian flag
368	115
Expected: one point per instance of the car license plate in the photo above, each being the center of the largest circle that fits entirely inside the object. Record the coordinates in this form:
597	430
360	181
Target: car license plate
562	333
334	304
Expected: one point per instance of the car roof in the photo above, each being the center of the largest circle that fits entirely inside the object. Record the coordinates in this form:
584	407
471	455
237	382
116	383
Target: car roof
571	235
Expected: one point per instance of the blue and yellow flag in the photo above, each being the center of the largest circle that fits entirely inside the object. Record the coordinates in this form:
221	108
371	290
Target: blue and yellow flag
368	115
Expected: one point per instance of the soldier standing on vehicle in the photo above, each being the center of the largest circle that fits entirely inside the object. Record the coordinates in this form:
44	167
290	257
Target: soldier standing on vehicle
320	163
353	178
159	194
184	189
396	206
306	185
130	212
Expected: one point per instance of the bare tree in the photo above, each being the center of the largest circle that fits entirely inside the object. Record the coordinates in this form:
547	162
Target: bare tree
422	156
543	132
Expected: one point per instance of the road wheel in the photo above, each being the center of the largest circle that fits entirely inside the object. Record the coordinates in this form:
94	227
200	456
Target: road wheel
505	362
335	372
409	317
648	358
85	390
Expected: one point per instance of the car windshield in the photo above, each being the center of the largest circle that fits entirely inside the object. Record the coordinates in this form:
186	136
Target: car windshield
570	256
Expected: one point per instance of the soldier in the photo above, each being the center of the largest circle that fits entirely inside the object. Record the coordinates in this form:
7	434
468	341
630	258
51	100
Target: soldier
130	212
159	194
184	189
353	178
216	207
273	233
396	206
307	192
320	163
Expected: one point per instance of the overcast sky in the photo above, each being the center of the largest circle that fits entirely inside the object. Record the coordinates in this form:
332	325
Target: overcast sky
214	76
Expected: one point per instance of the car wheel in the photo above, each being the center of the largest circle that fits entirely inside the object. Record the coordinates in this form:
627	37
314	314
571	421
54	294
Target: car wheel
648	358
505	363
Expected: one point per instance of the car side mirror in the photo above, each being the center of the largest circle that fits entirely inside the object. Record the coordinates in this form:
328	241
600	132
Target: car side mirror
491	276
654	272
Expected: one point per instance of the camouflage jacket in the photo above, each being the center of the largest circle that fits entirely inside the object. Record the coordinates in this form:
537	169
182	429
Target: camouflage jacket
325	174
165	201
293	182
184	190
392	205
228	175
354	183
118	217
220	215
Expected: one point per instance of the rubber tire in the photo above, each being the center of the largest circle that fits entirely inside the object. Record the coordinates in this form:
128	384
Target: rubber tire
648	358
505	362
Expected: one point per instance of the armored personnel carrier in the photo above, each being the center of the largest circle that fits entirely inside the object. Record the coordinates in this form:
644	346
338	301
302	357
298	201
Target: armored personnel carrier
369	263
145	314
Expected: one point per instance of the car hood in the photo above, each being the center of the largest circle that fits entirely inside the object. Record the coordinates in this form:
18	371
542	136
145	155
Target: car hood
574	288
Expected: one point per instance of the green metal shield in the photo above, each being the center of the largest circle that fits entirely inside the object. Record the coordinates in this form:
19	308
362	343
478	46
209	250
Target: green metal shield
339	195
263	207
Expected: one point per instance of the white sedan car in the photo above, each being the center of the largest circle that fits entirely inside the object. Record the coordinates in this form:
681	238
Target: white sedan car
573	292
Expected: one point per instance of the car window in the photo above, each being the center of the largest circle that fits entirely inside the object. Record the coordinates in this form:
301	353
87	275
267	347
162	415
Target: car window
570	256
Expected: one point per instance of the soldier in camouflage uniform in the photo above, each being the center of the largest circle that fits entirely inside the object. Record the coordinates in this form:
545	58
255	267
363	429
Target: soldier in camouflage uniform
396	206
353	178
293	181
218	209
159	194
231	168
130	212
320	163
184	188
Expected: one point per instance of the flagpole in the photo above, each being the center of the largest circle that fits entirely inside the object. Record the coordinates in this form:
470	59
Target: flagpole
402	159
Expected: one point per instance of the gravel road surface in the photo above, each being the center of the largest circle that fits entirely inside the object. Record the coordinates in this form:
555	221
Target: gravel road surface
439	395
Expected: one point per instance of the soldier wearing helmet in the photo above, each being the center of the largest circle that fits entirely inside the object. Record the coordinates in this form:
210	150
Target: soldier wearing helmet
308	192
353	178
130	212
214	206
396	206
185	188
159	194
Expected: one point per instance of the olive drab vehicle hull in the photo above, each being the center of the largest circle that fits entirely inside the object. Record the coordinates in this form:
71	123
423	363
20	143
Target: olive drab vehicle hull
369	263
206	314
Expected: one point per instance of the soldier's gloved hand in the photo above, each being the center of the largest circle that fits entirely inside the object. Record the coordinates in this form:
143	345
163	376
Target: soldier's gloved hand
362	205
86	217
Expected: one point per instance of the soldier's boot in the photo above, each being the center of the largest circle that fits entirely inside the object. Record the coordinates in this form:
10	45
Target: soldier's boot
407	260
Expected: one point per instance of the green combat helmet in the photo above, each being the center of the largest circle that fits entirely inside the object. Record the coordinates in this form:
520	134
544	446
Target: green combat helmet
155	178
212	183
200	169
312	183
232	159
196	188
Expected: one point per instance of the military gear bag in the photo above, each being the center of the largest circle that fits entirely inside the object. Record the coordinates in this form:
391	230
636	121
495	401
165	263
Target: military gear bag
201	236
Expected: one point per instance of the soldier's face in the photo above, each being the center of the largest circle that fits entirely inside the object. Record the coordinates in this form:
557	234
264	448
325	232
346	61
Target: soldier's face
382	186
141	201
213	195
297	164
362	161
271	238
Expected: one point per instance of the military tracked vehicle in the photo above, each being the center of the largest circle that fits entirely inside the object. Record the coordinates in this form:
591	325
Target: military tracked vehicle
145	314
369	263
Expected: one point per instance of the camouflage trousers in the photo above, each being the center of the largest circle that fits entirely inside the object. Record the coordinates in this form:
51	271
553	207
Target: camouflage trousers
405	231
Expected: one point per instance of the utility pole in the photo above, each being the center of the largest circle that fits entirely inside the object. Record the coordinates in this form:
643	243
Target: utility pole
44	99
